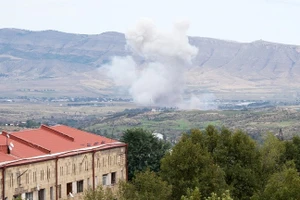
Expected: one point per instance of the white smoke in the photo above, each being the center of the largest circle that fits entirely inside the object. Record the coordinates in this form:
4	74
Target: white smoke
204	102
122	70
160	79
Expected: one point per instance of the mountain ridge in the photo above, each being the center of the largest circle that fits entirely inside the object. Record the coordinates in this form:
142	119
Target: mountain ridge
69	63
120	33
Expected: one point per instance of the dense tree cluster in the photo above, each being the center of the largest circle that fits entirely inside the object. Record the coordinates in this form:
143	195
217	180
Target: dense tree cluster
145	150
210	165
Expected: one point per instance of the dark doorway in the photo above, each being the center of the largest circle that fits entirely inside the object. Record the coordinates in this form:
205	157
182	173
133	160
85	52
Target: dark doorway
113	178
41	194
69	188
51	193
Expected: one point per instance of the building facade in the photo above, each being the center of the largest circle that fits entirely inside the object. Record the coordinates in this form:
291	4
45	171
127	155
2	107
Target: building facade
59	162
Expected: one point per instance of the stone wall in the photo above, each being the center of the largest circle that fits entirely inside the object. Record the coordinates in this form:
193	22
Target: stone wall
74	175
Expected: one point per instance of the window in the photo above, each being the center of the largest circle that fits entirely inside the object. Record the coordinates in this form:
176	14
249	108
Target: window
61	171
41	194
88	182
51	193
123	159
29	196
96	181
86	167
98	162
34	176
79	186
11	180
119	159
104	179
48	173
59	191
27	178
42	175
113	178
69	188
18	179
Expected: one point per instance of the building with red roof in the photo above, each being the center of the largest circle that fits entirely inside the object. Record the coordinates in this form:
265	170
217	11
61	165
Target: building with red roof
58	162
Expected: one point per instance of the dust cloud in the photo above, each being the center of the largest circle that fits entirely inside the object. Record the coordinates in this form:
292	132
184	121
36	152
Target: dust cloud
160	79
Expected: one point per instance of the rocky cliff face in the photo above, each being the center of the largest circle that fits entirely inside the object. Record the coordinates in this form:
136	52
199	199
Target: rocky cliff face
68	64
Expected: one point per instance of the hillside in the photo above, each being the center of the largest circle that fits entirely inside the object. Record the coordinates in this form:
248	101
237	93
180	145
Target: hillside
255	68
256	122
51	63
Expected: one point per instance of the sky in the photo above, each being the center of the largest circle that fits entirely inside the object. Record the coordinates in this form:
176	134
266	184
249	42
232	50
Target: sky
237	20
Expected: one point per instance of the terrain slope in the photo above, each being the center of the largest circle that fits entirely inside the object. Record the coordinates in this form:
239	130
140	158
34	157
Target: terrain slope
51	63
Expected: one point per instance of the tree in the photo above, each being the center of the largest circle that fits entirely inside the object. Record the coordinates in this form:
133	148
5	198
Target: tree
144	150
98	193
283	185
196	195
212	137
192	195
272	152
224	196
31	124
238	155
190	165
293	151
145	186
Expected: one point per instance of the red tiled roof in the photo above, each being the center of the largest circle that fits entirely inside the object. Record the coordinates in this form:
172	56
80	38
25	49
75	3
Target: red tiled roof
6	157
47	140
61	154
20	150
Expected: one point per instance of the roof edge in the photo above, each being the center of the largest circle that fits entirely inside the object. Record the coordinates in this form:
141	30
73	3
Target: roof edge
43	149
61	154
47	128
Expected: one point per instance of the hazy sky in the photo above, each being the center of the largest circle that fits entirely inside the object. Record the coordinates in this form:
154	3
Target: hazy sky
240	20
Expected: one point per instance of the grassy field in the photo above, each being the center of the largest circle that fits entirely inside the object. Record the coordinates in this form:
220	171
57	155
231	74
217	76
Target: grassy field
55	112
255	122
110	119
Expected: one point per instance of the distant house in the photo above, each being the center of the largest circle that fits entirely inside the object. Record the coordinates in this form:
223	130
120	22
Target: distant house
158	135
58	162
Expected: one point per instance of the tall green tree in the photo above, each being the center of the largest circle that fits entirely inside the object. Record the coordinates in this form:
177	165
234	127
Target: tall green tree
292	151
145	185
224	196
192	195
196	195
283	185
98	193
272	152
190	165
144	150
238	155
212	138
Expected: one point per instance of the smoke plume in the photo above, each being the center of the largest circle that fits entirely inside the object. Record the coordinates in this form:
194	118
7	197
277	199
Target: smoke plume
160	79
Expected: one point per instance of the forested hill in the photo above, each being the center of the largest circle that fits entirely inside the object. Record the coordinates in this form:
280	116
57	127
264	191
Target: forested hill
32	60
